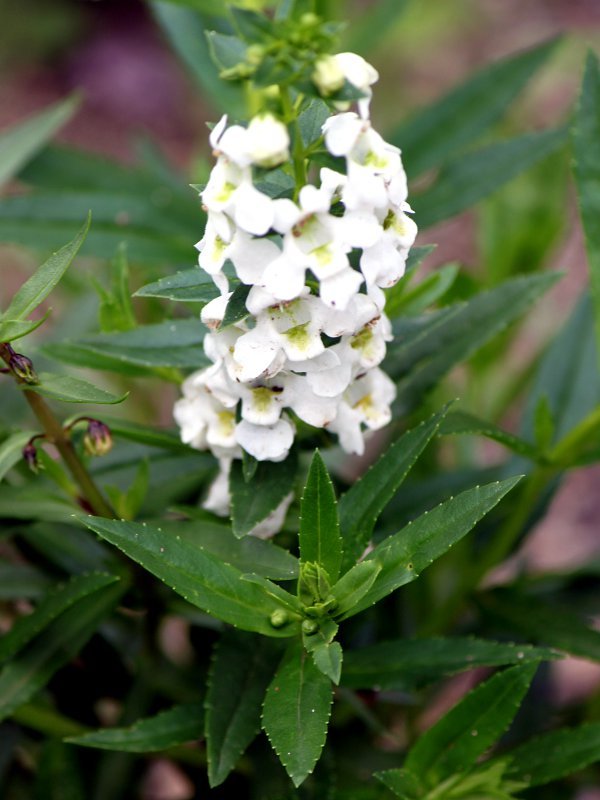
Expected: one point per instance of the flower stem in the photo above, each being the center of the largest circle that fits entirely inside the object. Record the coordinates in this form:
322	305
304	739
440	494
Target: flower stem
298	155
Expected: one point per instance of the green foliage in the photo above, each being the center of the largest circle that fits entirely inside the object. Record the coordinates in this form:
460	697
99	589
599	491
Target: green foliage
253	501
319	533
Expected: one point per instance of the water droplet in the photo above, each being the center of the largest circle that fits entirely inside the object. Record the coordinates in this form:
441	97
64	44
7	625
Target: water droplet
520	655
473	733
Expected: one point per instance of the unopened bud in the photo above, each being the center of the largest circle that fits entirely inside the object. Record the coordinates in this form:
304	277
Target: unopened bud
98	439
309	626
22	367
31	457
313	584
267	141
328	76
279	618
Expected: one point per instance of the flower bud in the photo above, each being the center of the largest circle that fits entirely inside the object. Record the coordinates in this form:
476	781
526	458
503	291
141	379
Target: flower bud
22	367
309	626
279	618
313	585
267	141
98	439
328	76
31	457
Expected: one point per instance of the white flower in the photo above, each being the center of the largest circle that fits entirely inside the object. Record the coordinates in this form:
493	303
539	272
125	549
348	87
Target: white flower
267	141
360	74
328	75
266	442
383	263
218	499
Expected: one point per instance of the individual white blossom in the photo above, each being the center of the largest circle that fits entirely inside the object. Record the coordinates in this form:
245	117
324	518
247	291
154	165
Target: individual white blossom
267	141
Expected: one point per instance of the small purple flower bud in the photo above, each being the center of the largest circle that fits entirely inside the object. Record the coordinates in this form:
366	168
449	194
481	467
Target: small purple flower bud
98	439
22	367
31	457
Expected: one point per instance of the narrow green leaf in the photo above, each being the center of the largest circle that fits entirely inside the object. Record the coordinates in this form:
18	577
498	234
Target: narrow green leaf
555	755
11	451
116	310
201	578
431	289
328	658
455	742
465	113
465	423
361	505
241	669
178	725
35	290
227	52
21	142
311	120
320	540
190	286
60	598
296	712
59	642
353	585
252	502
144	434
586	151
371	29
405	664
472	176
554	625
280	595
21	580
72	390
402	783
236	309
11	329
406	554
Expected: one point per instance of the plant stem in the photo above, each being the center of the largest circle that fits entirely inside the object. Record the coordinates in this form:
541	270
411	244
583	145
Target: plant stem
298	155
60	439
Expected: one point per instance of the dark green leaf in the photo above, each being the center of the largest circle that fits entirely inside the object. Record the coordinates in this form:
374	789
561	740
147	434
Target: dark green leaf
72	390
429	291
328	658
406	554
201	578
236	309
296	712
21	580
320	540
21	142
362	504
455	742
59	599
463	422
464	114
144	434
35	290
241	670
57	644
311	120
11	451
252	502
586	151
408	663
354	585
190	285
555	755
58	776
402	783
473	176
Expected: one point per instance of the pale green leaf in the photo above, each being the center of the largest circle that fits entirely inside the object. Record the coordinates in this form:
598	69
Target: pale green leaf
190	285
11	451
72	390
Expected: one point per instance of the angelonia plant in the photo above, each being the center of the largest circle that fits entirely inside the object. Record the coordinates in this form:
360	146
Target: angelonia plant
222	597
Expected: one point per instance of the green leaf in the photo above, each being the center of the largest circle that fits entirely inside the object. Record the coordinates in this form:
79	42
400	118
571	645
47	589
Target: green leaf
21	142
60	598
586	151
185	29
11	329
116	311
429	291
226	51
58	775
361	505
549	623
21	580
354	585
236	309
311	120
555	755
144	434
455	742
201	578
252	502
406	554
72	390
466	423
475	175
241	669
374	26
179	724
405	664
465	113
59	642
11	451
328	658
35	290
428	347
402	783
296	712
319	535
189	286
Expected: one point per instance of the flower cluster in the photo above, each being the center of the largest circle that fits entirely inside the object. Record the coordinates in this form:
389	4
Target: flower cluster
316	268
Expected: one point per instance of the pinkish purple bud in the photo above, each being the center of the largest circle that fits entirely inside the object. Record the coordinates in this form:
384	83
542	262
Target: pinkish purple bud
31	457
98	439
22	367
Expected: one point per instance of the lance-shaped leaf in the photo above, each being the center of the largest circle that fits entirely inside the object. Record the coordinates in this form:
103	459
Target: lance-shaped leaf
353	586
320	540
58	643
465	113
11	329
241	669
72	390
454	744
555	755
21	142
408	663
473	176
18	581
463	422
253	501
202	579
296	712
406	554
180	724
190	285
362	504
35	290
586	150
11	451
59	599
328	658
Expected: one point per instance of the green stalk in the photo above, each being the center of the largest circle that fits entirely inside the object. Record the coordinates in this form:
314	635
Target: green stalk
298	155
